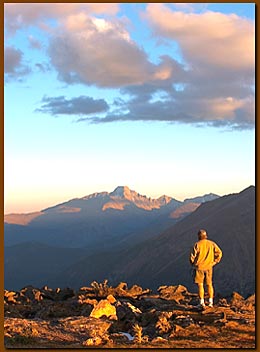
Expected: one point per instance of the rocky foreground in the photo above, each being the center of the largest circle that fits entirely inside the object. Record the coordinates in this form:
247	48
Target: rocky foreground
122	317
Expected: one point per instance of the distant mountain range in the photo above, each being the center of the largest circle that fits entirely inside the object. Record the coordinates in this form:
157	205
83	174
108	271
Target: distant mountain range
124	236
99	219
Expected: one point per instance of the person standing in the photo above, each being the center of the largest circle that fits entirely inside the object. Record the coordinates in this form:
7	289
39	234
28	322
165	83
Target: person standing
203	256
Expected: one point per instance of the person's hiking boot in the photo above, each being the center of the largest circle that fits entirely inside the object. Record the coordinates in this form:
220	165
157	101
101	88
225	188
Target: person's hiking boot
211	302
201	306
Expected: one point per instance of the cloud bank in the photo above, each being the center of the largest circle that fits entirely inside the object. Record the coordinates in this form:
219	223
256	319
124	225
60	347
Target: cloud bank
212	83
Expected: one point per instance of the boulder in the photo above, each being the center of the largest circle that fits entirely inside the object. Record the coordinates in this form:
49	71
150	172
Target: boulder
236	301
239	303
104	308
31	293
10	296
95	329
38	296
64	294
135	291
48	293
124	312
251	299
175	293
111	299
93	341
82	299
236	297
121	289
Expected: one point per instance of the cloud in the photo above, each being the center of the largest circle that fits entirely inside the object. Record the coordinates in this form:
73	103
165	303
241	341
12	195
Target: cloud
218	52
99	52
208	87
212	83
213	112
13	58
20	15
13	63
210	38
76	106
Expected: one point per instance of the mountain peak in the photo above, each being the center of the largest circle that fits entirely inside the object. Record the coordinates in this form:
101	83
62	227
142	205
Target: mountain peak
124	194
122	191
202	199
164	199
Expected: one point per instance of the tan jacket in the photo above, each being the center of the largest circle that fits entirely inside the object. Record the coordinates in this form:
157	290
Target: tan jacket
205	254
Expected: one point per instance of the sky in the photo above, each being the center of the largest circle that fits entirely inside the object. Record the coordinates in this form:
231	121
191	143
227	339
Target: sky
157	97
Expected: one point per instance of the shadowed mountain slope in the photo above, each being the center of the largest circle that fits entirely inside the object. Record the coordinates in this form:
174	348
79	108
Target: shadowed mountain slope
31	263
230	222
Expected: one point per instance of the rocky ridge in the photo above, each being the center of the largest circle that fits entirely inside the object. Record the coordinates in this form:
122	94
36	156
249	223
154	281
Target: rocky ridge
104	316
117	199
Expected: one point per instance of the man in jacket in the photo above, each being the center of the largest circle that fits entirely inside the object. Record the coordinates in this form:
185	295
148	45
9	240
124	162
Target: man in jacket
204	255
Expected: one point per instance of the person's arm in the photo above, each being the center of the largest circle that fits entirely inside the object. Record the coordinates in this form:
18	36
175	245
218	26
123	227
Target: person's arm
217	254
193	254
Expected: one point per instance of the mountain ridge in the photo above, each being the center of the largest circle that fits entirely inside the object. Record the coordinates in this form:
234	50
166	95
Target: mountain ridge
120	194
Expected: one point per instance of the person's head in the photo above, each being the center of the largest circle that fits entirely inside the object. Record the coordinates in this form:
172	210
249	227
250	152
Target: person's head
202	234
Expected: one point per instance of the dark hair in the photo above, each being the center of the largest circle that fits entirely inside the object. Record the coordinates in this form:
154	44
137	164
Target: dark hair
202	234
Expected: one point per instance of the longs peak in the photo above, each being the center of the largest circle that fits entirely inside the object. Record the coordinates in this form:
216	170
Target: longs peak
123	192
127	193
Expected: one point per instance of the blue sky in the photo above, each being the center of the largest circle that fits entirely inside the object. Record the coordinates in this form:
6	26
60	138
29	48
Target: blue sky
158	97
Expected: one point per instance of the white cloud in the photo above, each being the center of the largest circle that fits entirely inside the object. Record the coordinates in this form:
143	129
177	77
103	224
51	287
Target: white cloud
209	38
19	15
101	52
219	51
